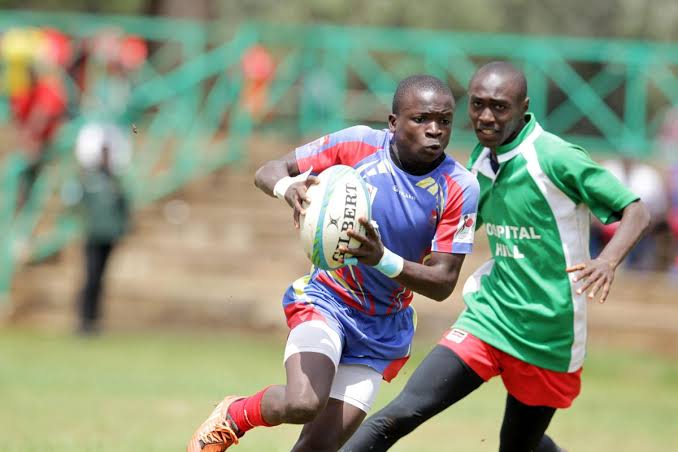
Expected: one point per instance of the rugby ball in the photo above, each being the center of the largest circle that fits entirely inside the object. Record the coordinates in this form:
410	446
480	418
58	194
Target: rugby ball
336	203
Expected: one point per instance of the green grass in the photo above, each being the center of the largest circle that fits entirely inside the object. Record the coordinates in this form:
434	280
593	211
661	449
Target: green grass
148	392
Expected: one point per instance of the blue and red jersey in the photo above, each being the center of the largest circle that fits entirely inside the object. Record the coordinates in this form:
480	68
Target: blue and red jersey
416	215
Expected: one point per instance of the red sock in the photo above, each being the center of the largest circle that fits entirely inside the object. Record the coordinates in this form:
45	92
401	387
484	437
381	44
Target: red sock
246	413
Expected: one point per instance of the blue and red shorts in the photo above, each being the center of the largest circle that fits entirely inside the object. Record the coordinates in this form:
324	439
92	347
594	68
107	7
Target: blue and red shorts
380	342
526	382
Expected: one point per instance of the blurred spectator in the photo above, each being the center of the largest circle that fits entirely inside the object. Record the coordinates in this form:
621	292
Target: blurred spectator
668	143
668	136
673	214
103	149
105	210
648	183
34	61
258	69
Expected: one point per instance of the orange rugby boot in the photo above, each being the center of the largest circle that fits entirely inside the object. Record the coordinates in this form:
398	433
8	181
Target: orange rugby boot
218	432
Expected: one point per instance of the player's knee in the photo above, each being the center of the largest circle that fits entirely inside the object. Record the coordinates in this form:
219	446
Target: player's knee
304	409
398	418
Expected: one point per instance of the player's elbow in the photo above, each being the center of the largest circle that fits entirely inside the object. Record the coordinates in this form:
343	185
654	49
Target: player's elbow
260	176
263	174
440	296
442	290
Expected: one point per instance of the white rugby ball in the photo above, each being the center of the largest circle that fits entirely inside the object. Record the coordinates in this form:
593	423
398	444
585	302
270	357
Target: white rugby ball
337	202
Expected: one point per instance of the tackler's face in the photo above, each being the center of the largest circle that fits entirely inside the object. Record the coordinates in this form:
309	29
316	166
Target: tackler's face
422	128
495	109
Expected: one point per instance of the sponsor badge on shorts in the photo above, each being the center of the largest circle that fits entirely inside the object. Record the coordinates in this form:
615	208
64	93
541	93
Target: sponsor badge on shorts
466	228
456	336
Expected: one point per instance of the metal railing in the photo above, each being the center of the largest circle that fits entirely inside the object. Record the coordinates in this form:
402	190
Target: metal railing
605	95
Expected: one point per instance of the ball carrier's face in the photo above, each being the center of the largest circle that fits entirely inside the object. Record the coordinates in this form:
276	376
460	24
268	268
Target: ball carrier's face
422	129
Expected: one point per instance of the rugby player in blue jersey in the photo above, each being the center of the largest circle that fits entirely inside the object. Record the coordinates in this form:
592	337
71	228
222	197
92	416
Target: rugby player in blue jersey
352	327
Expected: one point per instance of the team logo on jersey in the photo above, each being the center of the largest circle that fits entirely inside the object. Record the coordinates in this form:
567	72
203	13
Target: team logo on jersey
466	228
403	193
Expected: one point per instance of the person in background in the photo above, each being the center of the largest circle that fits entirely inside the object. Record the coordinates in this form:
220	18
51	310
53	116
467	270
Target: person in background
648	183
105	210
35	60
668	145
258	69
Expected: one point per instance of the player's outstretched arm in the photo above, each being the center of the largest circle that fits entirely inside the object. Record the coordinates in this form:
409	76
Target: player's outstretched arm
280	178
436	279
598	274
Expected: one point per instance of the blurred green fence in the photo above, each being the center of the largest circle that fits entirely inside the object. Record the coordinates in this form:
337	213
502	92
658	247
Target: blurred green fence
187	100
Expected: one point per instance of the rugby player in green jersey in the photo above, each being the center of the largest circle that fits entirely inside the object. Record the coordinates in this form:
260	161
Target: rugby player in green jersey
525	316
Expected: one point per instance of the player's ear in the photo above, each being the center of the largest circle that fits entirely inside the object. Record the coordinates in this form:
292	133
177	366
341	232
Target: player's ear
526	104
392	120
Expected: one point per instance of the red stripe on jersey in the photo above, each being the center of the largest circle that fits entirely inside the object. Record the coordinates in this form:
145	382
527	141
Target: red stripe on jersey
447	228
346	153
367	305
402	297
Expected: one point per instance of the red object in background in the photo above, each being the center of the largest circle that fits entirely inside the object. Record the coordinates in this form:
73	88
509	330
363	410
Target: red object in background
673	223
258	68
257	64
608	230
58	49
133	52
47	97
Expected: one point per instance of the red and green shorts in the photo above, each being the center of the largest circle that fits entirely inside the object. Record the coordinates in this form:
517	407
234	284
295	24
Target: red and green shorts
526	382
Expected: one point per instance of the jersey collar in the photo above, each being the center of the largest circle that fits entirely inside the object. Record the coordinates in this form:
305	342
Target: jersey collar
507	151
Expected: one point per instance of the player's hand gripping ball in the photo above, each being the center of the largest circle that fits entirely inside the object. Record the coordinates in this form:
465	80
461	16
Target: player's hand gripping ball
337	201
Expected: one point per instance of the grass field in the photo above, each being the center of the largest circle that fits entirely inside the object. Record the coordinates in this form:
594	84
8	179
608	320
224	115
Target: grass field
133	392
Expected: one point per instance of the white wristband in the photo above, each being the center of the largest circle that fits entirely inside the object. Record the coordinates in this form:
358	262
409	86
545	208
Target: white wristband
390	264
284	183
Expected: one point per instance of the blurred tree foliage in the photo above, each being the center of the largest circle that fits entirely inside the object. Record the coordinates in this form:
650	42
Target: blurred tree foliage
648	19
91	6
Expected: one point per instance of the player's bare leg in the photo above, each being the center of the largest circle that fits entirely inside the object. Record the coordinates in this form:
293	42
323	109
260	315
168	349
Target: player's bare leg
309	379
331	429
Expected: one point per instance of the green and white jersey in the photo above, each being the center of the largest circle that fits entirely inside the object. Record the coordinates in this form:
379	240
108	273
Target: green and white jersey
536	212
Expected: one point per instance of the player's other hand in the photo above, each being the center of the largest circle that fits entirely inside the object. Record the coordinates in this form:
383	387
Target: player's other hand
596	276
296	196
371	249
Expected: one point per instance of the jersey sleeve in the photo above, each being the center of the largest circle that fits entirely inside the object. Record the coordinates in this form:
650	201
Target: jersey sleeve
477	150
456	226
585	181
346	147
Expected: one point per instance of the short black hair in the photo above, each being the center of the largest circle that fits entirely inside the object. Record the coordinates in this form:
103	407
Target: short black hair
509	72
419	82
